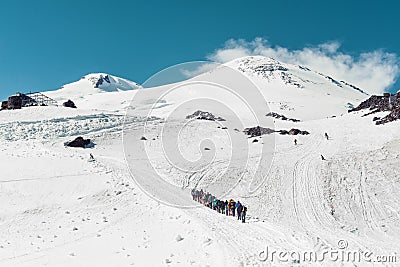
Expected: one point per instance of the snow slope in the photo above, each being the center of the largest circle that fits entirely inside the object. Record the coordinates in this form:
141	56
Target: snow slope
58	209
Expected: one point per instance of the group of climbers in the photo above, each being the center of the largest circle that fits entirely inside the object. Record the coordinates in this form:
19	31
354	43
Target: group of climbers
229	208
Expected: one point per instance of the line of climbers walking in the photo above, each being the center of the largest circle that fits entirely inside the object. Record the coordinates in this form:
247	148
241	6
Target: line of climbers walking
224	207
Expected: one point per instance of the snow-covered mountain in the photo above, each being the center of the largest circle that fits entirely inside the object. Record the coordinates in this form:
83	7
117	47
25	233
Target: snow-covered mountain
295	75
100	82
298	90
85	92
59	209
292	89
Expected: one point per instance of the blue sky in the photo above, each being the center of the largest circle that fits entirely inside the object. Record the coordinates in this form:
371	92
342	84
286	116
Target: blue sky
45	44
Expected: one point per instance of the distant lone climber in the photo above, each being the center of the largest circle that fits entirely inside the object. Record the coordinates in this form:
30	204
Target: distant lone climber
91	156
326	136
322	157
295	142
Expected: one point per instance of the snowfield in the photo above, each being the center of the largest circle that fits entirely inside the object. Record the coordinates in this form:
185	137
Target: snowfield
60	209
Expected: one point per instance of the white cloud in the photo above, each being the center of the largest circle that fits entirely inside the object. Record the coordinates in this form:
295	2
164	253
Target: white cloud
372	71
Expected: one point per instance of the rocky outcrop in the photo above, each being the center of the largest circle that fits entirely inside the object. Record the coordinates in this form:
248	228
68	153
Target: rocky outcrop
259	131
281	117
293	131
204	115
374	103
4	105
354	87
80	142
101	80
386	103
329	78
69	104
262	67
291	79
393	115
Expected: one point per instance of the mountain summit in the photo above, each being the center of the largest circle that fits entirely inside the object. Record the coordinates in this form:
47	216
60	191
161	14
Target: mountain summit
295	75
107	82
98	83
92	85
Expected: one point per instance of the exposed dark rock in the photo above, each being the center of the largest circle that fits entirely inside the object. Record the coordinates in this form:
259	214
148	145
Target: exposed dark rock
374	103
255	141
304	68
280	116
258	131
143	138
290	79
263	68
334	81
79	142
69	104
331	79
206	148
101	80
387	102
283	132
204	115
354	87
393	115
4	105
293	131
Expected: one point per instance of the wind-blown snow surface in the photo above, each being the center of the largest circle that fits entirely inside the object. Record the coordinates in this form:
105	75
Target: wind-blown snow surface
58	209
